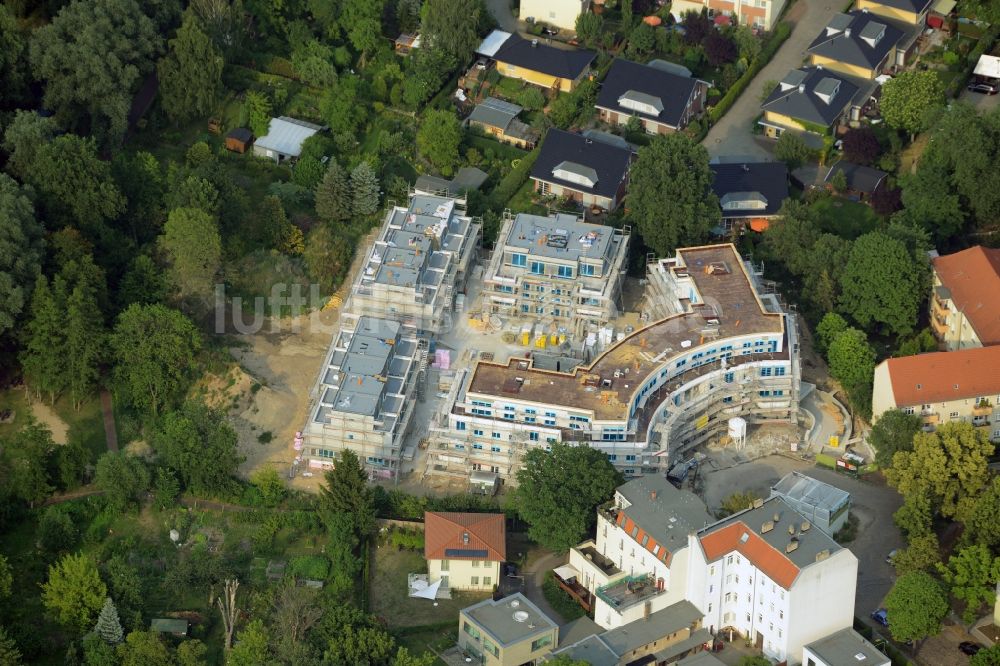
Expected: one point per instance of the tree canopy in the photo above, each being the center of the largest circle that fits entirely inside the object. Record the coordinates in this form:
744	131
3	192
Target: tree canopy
971	575
453	26
894	431
909	97
559	490
191	73
21	246
915	606
200	445
74	593
347	493
682	214
191	239
438	139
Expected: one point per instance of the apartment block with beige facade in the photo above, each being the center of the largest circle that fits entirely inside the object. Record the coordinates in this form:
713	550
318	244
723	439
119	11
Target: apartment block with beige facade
465	550
507	632
761	14
943	387
715	351
558	272
964	307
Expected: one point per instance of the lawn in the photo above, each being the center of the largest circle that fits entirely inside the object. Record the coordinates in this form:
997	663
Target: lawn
85	426
845	218
389	596
433	639
521	201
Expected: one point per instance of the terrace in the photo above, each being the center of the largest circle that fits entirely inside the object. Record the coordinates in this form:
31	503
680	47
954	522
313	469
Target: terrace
630	591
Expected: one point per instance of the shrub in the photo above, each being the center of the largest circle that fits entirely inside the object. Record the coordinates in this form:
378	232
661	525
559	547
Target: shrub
404	539
315	567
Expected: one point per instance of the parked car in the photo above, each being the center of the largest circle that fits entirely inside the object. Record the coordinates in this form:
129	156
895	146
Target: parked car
984	88
550	31
969	648
881	616
891	556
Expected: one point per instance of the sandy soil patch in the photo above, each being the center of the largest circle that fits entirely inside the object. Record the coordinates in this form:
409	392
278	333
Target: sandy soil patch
48	417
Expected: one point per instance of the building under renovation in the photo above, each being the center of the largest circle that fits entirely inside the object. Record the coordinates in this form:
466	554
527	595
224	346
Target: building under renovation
716	352
418	265
556	273
364	397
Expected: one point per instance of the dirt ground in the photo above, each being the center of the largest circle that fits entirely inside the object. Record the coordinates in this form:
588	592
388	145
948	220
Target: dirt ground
48	417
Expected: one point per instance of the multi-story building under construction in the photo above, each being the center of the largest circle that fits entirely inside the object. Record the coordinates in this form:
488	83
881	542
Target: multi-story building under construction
716	350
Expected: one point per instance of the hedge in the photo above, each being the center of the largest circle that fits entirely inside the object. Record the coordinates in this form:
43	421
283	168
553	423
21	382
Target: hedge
770	48
514	179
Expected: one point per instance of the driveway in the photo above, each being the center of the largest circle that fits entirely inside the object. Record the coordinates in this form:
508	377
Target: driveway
732	135
501	12
983	103
534	576
872	502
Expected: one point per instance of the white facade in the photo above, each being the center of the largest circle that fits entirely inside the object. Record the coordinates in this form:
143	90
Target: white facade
478	575
560	13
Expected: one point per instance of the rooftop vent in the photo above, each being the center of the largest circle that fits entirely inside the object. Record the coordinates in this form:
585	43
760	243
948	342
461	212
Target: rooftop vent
520	616
791	530
757	503
861	655
822	555
805	526
792	545
777	517
767	527
514	603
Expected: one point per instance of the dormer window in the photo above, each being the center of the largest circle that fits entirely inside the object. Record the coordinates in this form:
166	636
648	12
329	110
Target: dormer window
827	89
575	173
641	103
873	33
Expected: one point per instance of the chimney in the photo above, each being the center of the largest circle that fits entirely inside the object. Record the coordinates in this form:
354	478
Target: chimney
766	527
791	530
646	610
822	555
805	526
802	88
847	32
792	545
652	494
777	517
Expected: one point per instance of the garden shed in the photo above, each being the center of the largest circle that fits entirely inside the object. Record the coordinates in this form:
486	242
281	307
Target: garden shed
239	140
169	625
284	138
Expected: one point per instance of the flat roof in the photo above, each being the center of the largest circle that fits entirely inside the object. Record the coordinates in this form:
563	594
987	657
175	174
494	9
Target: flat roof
560	236
728	305
510	620
801	488
847	648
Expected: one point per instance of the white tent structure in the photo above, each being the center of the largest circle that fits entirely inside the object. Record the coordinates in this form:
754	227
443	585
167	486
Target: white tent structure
421	588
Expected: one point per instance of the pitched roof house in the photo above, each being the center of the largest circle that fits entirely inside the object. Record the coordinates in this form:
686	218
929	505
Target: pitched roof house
587	169
862	181
862	44
912	12
499	119
284	138
537	63
465	549
750	193
811	98
965	309
663	100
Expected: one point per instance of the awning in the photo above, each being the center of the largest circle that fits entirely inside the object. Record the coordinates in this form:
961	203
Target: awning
566	572
944	7
492	43
421	589
988	67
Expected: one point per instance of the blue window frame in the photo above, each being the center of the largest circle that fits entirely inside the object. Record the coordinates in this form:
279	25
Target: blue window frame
537	268
565	271
533	436
587	269
530	410
765	394
477	447
460	447
612	457
477	432
766	371
518	259
460	425
630	458
525	308
482	412
551	414
505	288
529	419
727	399
509	416
728	377
495	449
550	422
496	435
780	372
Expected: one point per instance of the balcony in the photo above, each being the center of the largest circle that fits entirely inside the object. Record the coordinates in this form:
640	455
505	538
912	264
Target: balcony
579	593
630	591
605	565
929	418
982	408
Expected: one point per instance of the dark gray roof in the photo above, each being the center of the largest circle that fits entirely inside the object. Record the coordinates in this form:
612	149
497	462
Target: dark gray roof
915	6
859	178
859	38
672	67
467	178
578	630
609	163
662	623
669	516
240	134
592	650
661	89
812	94
843	647
700	659
768	179
494	112
538	57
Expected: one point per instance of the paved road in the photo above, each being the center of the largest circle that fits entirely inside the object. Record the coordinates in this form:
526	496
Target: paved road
732	134
501	12
534	575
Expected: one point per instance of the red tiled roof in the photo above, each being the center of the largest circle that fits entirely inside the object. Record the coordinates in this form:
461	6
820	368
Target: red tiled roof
944	376
763	555
973	277
447	532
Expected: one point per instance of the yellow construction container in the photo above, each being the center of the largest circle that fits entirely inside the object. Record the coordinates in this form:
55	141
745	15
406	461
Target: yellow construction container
553	339
525	338
540	341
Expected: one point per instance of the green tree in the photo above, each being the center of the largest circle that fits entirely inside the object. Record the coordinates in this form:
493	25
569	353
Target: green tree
883	283
333	195
972	574
269	483
191	73
983	525
191	239
588	28
74	593
85	338
9	654
56	532
839	181
347	492
200	445
41	358
12	60
343	106
109	627
27	455
754	660
272	222
894	431
144	648
364	190
641	40
852	363
252	647
791	241
21	247
908	99
563	660
438	139
792	150
915	606
362	21
987	657
922	554
142	284
916	514
829	327
312	62
452	26
559	490
154	350
737	502
6	578
122	477
125	585
328	255
682	214
748	45
950	465
258	108
192	653
25	134
92	57
74	184
166	488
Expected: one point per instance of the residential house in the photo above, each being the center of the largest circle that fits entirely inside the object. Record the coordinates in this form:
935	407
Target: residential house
465	550
557	269
911	12
530	60
284	138
965	310
560	13
760	14
843	648
661	100
507	632
811	99
862	181
715	349
750	193
943	387
823	505
589	170
499	119
863	44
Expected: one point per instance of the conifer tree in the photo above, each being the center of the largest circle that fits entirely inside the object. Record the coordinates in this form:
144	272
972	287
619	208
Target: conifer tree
333	195
109	627
42	358
85	337
364	188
